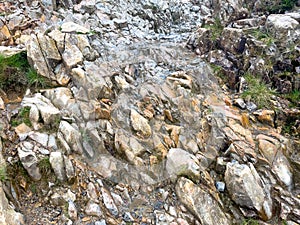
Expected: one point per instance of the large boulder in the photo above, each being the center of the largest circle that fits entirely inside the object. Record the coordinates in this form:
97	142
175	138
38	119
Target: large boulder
247	189
200	203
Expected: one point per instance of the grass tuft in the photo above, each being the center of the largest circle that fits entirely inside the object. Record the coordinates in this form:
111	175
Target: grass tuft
258	92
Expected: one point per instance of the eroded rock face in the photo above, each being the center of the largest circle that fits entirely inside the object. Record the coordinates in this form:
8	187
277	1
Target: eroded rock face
200	202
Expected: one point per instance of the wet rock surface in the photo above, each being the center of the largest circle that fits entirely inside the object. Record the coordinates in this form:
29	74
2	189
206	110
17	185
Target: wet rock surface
136	127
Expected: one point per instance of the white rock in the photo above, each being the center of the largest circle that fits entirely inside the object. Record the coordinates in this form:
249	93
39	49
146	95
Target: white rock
93	209
58	165
41	138
70	27
29	160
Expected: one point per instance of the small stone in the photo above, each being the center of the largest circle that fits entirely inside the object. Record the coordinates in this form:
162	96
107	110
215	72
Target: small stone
22	131
109	202
140	124
41	138
127	217
102	222
265	116
240	103
220	186
2	105
93	209
251	106
29	160
72	211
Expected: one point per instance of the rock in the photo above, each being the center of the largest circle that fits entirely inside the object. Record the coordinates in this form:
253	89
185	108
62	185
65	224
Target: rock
60	97
127	217
102	222
71	136
265	116
71	27
240	103
201	40
36	58
22	131
2	104
50	51
59	39
72	56
182	163
29	160
140	124
72	211
109	202
8	216
246	189
281	22
93	209
49	113
233	40
200	203
57	164
41	138
70	171
220	186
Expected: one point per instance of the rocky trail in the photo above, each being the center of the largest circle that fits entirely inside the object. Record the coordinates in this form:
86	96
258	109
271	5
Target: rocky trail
149	112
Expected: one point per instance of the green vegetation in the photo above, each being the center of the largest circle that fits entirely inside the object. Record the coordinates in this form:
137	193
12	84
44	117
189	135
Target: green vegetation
35	80
11	70
45	166
22	117
280	6
216	29
258	91
16	71
294	98
250	222
263	36
3	173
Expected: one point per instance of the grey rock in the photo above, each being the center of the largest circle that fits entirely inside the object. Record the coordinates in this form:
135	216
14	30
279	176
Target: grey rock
127	217
58	166
41	138
109	202
93	209
181	163
72	136
102	222
240	103
29	160
200	203
50	51
220	186
72	210
8	216
72	56
49	113
70	171
246	188
36	58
